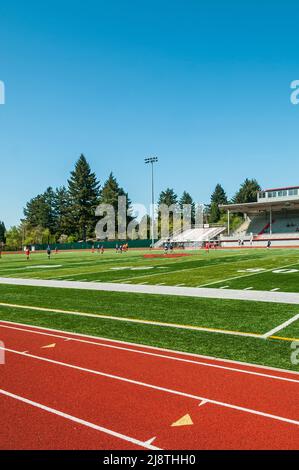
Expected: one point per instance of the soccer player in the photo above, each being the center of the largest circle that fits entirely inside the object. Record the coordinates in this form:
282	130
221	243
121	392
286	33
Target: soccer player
27	253
49	252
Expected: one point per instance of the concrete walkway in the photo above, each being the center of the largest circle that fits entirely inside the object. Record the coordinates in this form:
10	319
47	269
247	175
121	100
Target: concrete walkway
259	296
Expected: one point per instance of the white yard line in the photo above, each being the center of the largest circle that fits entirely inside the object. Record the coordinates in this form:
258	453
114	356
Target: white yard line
182	270
131	320
157	387
231	294
249	274
83	422
281	326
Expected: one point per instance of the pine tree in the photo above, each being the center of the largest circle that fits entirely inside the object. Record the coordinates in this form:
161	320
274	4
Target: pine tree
110	193
2	232
39	211
62	208
168	198
214	214
219	195
247	192
186	199
83	189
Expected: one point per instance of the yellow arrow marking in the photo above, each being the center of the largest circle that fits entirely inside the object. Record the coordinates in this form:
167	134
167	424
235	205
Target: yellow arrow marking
49	346
184	421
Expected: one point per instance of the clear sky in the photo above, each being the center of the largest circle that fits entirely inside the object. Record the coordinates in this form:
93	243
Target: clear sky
204	85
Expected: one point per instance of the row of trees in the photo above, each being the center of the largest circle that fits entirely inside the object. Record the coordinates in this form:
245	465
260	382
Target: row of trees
67	213
246	193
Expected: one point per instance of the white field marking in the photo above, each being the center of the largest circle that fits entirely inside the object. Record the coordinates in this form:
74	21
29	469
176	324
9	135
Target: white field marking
224	287
203	403
132	320
156	387
147	347
248	288
46	266
179	285
120	268
150	441
173	270
163	356
83	422
203	267
274	290
247	275
281	327
142	268
82	273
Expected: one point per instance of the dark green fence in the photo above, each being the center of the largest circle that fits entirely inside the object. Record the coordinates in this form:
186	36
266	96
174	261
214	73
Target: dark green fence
90	245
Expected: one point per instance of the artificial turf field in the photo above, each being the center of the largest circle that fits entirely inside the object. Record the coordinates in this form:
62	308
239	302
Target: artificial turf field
258	269
236	269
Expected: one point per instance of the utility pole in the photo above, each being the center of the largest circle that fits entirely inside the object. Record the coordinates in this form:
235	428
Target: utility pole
152	160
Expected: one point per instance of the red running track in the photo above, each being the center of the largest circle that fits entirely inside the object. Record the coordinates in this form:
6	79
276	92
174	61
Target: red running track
93	393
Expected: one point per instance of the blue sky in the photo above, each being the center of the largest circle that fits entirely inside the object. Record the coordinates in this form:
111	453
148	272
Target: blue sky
203	85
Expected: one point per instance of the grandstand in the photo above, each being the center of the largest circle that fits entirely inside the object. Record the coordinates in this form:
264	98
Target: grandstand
274	217
195	236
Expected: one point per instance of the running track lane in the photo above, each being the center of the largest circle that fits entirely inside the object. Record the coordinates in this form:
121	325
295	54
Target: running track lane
142	410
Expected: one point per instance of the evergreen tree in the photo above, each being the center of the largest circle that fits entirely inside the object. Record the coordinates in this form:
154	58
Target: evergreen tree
2	232
39	211
186	199
219	195
247	192
83	189
168	198
62	208
214	213
110	193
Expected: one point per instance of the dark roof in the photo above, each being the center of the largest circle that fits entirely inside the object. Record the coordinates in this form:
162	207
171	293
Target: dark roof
280	189
260	206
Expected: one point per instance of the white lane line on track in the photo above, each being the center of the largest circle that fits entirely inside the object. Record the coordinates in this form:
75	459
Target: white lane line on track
75	336
133	320
281	326
146	445
163	356
156	387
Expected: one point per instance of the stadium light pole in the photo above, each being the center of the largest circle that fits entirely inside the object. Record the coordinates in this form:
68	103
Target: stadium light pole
152	160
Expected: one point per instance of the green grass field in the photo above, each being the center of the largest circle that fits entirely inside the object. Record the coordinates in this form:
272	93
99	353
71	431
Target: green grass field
237	269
